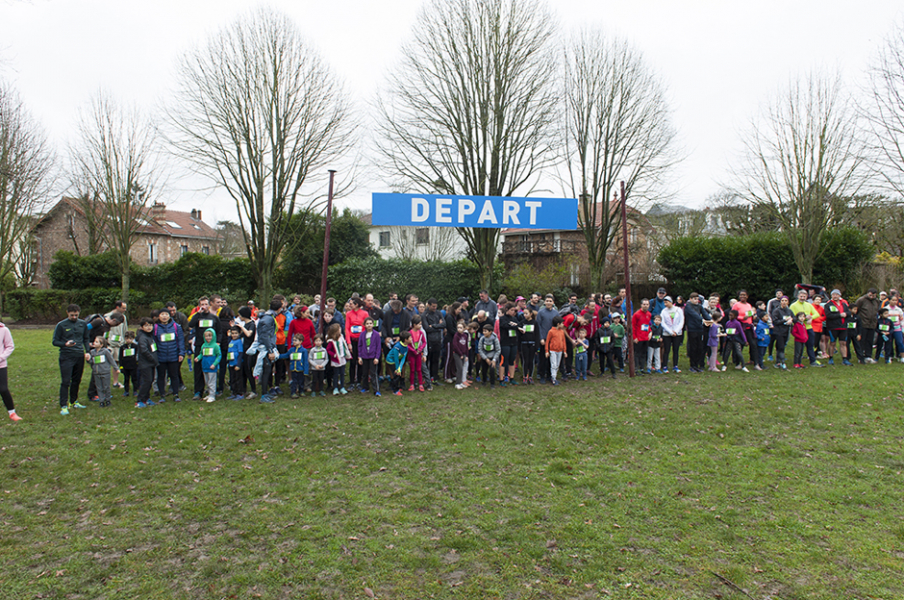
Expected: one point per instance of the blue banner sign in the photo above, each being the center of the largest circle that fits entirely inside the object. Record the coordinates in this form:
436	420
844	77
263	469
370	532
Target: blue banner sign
421	210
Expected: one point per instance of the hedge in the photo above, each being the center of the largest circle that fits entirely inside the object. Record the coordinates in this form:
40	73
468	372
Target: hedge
760	263
50	305
444	281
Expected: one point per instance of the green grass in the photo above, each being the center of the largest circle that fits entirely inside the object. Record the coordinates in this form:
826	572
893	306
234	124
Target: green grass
786	485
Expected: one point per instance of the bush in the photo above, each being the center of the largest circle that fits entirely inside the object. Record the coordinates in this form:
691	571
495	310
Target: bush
523	279
444	281
759	263
195	275
70	271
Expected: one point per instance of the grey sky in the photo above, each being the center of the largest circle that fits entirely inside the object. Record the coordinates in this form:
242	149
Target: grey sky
720	60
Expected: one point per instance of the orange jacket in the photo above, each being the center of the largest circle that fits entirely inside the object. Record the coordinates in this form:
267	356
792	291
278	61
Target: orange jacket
555	341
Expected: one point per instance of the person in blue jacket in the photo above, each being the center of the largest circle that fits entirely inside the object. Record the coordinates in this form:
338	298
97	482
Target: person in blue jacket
170	353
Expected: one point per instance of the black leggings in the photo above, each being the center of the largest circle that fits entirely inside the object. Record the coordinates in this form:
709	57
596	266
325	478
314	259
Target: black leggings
4	390
528	351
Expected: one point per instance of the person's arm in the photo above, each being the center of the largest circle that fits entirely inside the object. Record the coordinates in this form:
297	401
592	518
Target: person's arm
8	345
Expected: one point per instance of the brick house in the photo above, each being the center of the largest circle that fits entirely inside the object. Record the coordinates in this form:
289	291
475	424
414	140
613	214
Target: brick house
543	247
163	237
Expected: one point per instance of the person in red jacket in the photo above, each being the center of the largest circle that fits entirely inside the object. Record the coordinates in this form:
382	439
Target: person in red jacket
354	327
302	324
640	331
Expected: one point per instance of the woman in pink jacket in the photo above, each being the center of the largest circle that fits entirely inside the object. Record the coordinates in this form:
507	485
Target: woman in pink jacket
6	348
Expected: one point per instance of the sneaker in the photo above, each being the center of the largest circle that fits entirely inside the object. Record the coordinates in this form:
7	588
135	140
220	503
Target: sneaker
676	370
150	403
411	387
177	399
847	363
378	394
757	368
94	399
322	393
769	358
250	396
784	367
196	397
365	391
798	366
513	382
76	405
15	417
449	381
335	391
397	393
740	366
64	411
211	399
420	388
140	405
555	382
831	361
126	394
459	386
613	376
343	391
816	364
664	370
161	400
265	399
746	370
294	395
723	368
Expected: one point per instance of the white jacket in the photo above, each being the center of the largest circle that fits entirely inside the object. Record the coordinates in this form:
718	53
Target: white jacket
672	320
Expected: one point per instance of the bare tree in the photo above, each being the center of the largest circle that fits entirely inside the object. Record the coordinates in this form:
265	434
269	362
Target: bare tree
117	159
885	111
26	165
801	157
231	238
471	109
433	244
90	205
617	128
260	114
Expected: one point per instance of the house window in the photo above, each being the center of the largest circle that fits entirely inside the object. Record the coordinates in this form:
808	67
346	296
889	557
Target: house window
384	239
152	253
422	236
183	250
205	249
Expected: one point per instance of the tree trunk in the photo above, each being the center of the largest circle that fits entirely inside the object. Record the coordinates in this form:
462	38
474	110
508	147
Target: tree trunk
126	272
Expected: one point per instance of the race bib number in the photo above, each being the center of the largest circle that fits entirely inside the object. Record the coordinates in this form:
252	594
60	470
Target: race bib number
153	347
99	360
488	347
356	329
205	323
207	351
749	313
730	331
512	333
607	339
128	352
528	329
833	308
367	342
395	331
656	338
883	327
852	326
168	337
894	318
319	355
644	327
113	337
295	356
580	348
230	356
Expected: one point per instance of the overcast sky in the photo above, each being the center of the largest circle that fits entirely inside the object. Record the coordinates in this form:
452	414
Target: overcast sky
721	60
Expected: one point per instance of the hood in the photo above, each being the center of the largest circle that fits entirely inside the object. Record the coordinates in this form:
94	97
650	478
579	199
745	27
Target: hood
213	342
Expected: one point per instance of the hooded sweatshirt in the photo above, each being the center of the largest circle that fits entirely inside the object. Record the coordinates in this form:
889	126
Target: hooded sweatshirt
210	353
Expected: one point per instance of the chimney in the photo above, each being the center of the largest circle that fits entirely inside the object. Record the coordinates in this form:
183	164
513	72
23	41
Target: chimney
194	214
158	212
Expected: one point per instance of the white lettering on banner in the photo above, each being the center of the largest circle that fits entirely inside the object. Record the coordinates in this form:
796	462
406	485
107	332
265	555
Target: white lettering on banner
419	216
510	211
487	213
533	206
443	210
465	207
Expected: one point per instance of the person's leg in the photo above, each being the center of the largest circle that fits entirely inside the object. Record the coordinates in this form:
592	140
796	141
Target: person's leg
810	346
4	391
555	359
617	354
771	347
434	354
781	341
147	380
799	348
173	371
374	371
354	373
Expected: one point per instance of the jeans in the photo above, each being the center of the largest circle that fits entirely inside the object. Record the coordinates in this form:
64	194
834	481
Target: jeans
580	364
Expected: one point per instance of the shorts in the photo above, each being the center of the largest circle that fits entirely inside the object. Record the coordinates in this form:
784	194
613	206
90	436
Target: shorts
838	335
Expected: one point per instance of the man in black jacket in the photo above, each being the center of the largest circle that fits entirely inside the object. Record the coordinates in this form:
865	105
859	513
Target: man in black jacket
71	337
434	325
696	321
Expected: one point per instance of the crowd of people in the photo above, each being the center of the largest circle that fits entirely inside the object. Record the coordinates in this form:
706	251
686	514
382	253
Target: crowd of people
415	346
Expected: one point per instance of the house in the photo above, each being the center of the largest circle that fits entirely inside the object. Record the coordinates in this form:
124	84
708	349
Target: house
544	247
164	235
416	243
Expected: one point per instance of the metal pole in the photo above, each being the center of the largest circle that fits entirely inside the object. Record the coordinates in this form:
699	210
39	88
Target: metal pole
326	252
628	303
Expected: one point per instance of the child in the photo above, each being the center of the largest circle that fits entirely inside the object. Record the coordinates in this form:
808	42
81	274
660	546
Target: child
128	362
712	341
885	342
508	340
369	344
473	367
339	354
210	361
581	355
170	353
763	338
800	335
618	341
318	362
298	365
100	358
654	364
605	347
556	347
235	361
489	350
854	334
147	362
530	339
396	361
734	342
417	352
461	345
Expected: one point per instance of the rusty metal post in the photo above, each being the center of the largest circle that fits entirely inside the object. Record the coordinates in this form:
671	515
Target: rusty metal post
326	252
628	303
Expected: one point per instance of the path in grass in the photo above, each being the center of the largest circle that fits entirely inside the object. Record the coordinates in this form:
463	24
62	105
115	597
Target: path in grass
786	485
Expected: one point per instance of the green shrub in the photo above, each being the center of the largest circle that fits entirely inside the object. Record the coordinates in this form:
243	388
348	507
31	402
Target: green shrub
70	271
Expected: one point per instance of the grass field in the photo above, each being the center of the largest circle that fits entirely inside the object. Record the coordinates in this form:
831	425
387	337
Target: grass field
760	485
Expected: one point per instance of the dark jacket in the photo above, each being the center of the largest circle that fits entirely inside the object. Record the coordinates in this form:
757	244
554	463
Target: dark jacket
77	331
170	342
266	332
198	324
835	316
128	357
508	330
434	325
778	321
694	315
404	323
867	311
147	353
